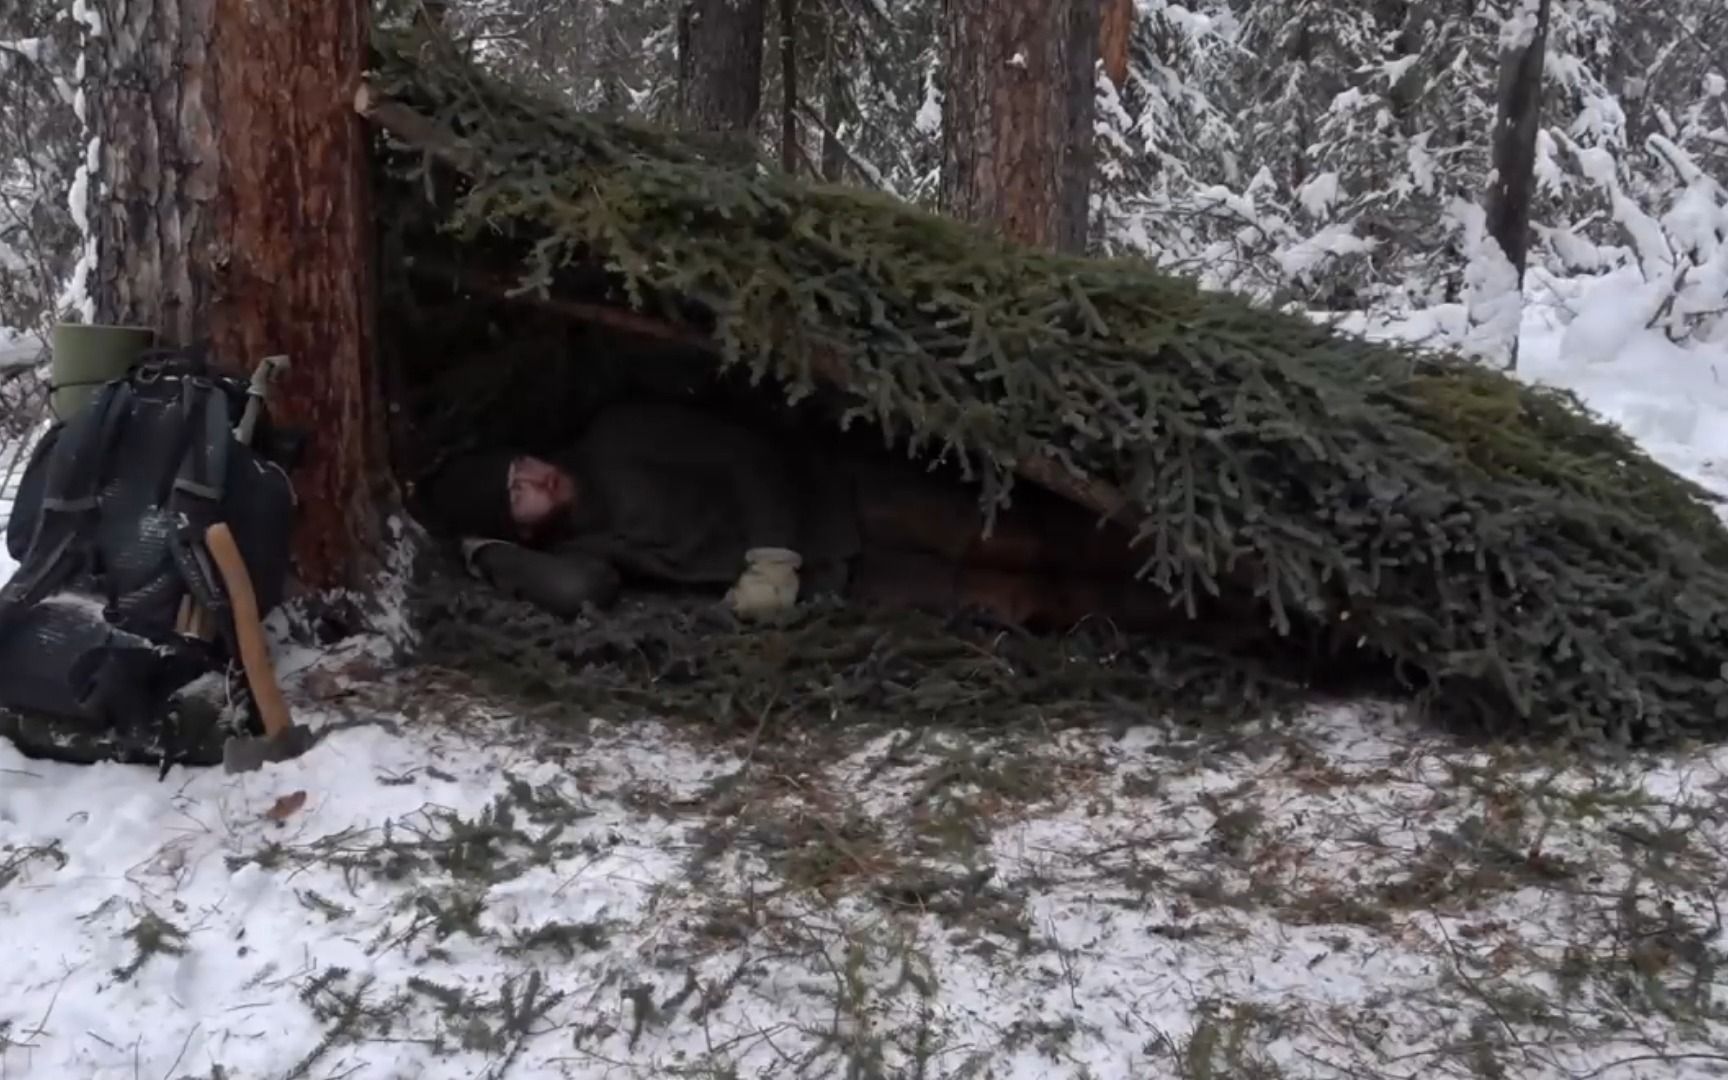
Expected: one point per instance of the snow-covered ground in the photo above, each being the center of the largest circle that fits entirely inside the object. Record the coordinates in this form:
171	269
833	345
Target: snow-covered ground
1587	335
443	889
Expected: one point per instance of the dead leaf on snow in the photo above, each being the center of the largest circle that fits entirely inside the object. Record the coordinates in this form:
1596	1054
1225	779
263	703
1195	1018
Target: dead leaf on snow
286	806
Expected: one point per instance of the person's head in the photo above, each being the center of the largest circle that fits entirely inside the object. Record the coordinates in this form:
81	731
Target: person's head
500	495
538	490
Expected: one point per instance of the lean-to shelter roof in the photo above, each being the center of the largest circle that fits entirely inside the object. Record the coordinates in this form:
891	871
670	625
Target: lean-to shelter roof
1526	565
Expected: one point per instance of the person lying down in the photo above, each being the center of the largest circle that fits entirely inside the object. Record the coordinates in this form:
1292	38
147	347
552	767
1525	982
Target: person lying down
661	494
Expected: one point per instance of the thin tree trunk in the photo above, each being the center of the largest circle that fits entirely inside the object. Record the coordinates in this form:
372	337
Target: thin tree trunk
232	208
1082	100
1016	125
789	85
720	66
833	104
1518	114
1518	117
1302	53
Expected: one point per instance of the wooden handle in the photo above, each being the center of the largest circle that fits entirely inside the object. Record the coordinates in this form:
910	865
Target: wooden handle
254	654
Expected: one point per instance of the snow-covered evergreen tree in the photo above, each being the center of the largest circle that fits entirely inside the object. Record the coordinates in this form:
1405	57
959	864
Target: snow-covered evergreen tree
614	59
1310	152
39	152
1639	152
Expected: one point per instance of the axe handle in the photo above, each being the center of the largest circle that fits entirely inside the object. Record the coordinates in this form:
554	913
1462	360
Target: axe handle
254	654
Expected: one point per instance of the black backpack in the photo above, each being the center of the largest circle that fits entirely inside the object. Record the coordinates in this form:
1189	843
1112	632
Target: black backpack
108	530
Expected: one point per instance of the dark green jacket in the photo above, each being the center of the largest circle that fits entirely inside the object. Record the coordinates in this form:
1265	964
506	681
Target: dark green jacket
672	494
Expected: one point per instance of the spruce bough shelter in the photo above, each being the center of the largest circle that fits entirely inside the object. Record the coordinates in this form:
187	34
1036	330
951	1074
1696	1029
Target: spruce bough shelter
1520	565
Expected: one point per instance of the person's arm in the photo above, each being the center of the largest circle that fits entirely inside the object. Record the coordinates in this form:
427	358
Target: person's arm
563	581
670	434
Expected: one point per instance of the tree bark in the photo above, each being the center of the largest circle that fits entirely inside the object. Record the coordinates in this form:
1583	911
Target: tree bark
1496	296
1115	33
789	85
1518	116
1017	116
833	104
232	209
720	66
1082	101
1405	92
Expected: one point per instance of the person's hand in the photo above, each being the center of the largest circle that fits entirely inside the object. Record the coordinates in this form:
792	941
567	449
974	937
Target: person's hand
471	548
563	582
769	584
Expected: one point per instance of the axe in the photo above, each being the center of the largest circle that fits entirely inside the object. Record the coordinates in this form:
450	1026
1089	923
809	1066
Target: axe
193	620
283	739
257	390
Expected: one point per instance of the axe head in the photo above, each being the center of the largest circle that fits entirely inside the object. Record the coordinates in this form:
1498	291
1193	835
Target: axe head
249	753
268	370
256	391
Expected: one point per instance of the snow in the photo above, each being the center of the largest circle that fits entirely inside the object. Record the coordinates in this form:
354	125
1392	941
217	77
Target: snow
1575	252
76	293
1308	254
1520	26
162	848
1649	241
1597	165
1421	162
699	904
267	895
928	121
31	49
1493	297
1393	71
1672	400
1348	101
6	563
18	349
84	12
1550	174
1617	311
13	453
1318	194
1589	334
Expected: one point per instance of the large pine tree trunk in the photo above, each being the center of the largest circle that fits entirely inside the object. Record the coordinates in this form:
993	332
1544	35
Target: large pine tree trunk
720	65
232	208
1017	116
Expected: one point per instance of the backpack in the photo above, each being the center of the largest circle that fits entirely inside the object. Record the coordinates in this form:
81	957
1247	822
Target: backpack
108	529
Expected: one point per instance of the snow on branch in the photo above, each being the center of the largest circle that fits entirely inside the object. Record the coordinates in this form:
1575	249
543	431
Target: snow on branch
1683	253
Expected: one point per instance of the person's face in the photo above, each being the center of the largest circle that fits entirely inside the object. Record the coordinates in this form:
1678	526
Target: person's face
538	489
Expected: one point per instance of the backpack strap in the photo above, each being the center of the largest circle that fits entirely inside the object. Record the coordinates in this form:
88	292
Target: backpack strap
194	498
62	539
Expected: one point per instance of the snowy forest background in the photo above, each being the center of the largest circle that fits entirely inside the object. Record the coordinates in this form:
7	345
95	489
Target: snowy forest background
1331	155
1345	895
